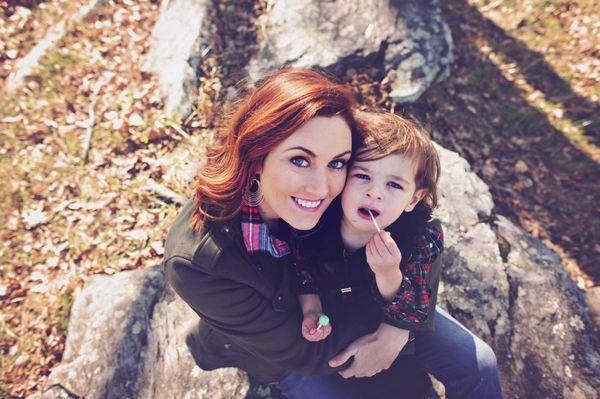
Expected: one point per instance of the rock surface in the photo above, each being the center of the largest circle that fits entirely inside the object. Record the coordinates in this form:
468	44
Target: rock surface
126	340
178	41
406	39
509	289
504	285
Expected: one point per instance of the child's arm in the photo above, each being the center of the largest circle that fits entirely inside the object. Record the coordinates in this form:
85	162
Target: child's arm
312	310
384	257
310	303
307	289
409	305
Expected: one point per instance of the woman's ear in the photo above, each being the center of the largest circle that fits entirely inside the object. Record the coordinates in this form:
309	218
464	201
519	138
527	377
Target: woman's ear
257	171
417	196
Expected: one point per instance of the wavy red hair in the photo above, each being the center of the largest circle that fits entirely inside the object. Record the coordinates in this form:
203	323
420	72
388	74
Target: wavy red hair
269	114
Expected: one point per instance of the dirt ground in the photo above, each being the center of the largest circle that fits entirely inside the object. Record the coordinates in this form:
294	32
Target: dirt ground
521	105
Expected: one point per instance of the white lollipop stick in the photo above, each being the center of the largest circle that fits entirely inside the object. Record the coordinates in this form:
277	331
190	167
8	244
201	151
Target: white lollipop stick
374	222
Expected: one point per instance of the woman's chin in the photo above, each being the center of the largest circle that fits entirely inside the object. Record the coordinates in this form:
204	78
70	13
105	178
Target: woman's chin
302	222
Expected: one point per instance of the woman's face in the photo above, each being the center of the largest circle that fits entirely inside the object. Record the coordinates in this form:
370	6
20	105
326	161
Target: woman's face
302	175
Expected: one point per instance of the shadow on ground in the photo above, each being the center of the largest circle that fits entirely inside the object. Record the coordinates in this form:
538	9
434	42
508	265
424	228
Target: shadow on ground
488	120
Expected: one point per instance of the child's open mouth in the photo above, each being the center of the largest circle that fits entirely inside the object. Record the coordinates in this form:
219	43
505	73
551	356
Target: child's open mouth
365	212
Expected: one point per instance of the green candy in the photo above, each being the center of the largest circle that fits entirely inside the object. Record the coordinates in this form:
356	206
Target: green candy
323	320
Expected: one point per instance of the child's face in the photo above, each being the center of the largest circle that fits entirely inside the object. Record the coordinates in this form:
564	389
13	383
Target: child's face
385	186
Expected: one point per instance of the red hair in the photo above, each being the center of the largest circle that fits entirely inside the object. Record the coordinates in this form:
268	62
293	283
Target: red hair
272	112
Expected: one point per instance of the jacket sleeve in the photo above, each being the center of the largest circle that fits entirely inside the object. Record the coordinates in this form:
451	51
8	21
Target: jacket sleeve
252	321
413	306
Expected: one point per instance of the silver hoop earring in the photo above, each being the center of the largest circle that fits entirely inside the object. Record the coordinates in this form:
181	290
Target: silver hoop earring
252	195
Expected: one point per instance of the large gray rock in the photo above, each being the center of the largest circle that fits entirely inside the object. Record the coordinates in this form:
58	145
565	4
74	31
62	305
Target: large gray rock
407	39
474	284
126	340
509	289
178	41
551	344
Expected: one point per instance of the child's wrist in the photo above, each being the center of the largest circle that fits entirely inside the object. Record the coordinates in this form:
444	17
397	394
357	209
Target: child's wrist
389	284
390	275
311	311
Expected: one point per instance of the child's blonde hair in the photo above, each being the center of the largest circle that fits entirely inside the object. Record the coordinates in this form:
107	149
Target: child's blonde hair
384	133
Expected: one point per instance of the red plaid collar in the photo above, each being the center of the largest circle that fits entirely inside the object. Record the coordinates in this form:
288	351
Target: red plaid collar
256	234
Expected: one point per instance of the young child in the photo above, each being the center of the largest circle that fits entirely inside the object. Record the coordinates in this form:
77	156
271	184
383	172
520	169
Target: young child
384	244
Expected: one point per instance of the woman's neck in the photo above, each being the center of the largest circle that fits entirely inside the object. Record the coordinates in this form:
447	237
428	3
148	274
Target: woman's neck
269	217
353	239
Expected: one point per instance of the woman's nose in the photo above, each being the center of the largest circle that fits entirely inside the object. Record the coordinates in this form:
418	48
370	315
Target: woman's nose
317	186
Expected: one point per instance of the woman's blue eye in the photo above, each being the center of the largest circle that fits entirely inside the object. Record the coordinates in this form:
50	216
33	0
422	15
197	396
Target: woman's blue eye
395	185
301	162
362	176
338	164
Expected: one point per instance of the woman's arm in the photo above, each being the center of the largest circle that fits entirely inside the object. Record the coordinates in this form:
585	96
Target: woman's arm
373	352
253	321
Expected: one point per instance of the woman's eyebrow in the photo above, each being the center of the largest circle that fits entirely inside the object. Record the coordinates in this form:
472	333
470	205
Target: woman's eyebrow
342	154
306	150
312	154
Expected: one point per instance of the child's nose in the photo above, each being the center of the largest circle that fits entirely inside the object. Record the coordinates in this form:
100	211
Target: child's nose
374	194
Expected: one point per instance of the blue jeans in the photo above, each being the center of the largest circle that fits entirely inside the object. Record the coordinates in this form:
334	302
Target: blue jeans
461	361
464	363
331	386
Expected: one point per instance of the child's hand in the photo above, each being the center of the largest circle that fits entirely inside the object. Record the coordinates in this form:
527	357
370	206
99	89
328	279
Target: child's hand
309	327
383	255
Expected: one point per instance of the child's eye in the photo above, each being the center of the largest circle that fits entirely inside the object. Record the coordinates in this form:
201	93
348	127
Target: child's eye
362	176
300	162
395	185
337	164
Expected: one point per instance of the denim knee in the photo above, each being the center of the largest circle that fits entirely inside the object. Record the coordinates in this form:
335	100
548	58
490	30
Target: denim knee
486	360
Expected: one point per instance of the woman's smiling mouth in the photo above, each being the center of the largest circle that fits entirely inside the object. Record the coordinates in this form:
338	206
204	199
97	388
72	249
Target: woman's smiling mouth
307	205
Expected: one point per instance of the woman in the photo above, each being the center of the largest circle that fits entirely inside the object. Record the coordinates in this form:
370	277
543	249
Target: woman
281	163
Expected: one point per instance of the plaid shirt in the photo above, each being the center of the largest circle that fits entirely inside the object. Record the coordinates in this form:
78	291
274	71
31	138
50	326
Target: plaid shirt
256	234
411	303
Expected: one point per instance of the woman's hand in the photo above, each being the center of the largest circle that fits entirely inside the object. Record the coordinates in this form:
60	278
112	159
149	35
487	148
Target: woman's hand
384	257
310	325
372	353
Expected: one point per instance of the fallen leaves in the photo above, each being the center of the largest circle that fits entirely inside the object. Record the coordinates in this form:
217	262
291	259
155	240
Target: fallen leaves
63	218
34	218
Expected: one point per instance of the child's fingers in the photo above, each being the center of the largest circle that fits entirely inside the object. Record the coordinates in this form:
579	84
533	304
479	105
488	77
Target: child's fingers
306	335
378	240
390	244
326	331
313	337
309	323
369	252
371	246
374	249
323	332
